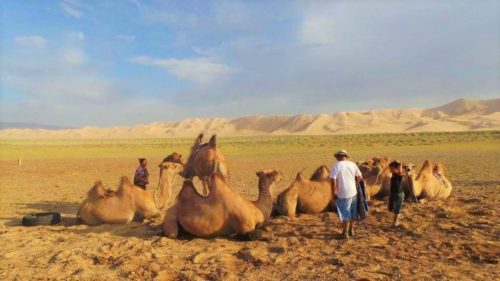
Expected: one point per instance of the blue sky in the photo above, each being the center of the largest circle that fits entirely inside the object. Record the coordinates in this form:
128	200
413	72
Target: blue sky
111	62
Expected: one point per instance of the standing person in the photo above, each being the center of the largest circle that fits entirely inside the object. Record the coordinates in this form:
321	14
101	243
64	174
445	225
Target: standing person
141	177
344	174
397	195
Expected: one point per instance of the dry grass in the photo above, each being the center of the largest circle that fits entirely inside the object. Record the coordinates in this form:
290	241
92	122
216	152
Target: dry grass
455	239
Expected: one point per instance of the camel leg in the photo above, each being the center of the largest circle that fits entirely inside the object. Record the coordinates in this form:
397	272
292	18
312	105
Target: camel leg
289	207
242	226
170	226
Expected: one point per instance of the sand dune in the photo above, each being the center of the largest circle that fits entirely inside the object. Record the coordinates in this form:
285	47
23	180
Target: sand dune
459	115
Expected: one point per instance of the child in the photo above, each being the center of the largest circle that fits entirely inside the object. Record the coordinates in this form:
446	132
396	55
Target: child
397	195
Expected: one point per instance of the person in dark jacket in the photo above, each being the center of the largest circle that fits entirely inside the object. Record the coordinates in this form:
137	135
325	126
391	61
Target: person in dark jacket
397	195
141	177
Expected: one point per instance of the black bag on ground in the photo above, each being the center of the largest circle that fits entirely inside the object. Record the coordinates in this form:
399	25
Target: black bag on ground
34	219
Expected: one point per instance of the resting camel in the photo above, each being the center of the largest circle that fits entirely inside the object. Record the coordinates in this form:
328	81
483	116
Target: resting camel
205	159
430	182
306	196
377	176
222	212
118	207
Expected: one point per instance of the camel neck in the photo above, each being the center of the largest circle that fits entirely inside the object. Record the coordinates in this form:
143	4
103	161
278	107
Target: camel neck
162	193
265	201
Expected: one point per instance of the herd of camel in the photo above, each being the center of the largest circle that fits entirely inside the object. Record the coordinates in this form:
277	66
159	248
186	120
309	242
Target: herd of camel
222	211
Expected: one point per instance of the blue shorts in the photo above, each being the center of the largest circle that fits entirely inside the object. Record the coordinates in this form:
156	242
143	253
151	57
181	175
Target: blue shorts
347	208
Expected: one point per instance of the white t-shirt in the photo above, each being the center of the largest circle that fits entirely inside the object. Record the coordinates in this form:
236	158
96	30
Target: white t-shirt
344	172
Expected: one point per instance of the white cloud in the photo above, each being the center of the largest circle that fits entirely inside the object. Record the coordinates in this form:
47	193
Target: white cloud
74	56
31	41
71	9
318	26
200	70
125	38
77	36
317	31
59	75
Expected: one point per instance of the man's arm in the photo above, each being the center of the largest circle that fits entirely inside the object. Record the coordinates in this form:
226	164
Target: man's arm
333	184
358	175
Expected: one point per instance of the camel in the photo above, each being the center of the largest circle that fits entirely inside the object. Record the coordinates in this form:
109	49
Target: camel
205	159
306	196
377	176
163	193
267	179
222	212
119	207
430	182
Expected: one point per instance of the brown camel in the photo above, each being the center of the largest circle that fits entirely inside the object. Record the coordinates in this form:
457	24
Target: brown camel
306	196
267	179
119	207
222	212
377	176
430	182
205	159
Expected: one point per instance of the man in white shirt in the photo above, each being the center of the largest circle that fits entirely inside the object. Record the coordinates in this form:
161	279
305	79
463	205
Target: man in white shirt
344	174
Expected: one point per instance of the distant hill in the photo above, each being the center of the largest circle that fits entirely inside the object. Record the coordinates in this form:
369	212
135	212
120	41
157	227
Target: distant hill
459	115
20	125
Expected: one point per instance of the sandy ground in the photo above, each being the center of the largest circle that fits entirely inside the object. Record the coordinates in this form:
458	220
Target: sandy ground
457	239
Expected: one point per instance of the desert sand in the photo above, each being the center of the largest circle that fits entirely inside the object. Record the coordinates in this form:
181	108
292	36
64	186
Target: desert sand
460	115
456	239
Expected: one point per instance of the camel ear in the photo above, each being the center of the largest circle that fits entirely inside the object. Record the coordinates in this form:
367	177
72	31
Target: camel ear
199	139
213	141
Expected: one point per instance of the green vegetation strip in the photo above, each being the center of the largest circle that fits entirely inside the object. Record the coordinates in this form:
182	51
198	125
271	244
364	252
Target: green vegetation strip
243	146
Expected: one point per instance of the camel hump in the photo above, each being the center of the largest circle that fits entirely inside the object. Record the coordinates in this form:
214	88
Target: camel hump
213	141
439	168
97	190
125	181
300	176
427	164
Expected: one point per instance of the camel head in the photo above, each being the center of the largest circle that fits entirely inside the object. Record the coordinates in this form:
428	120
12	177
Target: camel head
168	170
408	168
370	168
205	159
321	173
382	161
174	158
171	168
269	176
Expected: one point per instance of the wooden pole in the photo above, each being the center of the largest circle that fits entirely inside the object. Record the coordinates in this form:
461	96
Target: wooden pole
19	163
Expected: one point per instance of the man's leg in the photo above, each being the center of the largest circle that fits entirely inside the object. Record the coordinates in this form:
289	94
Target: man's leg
345	226
396	220
351	228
